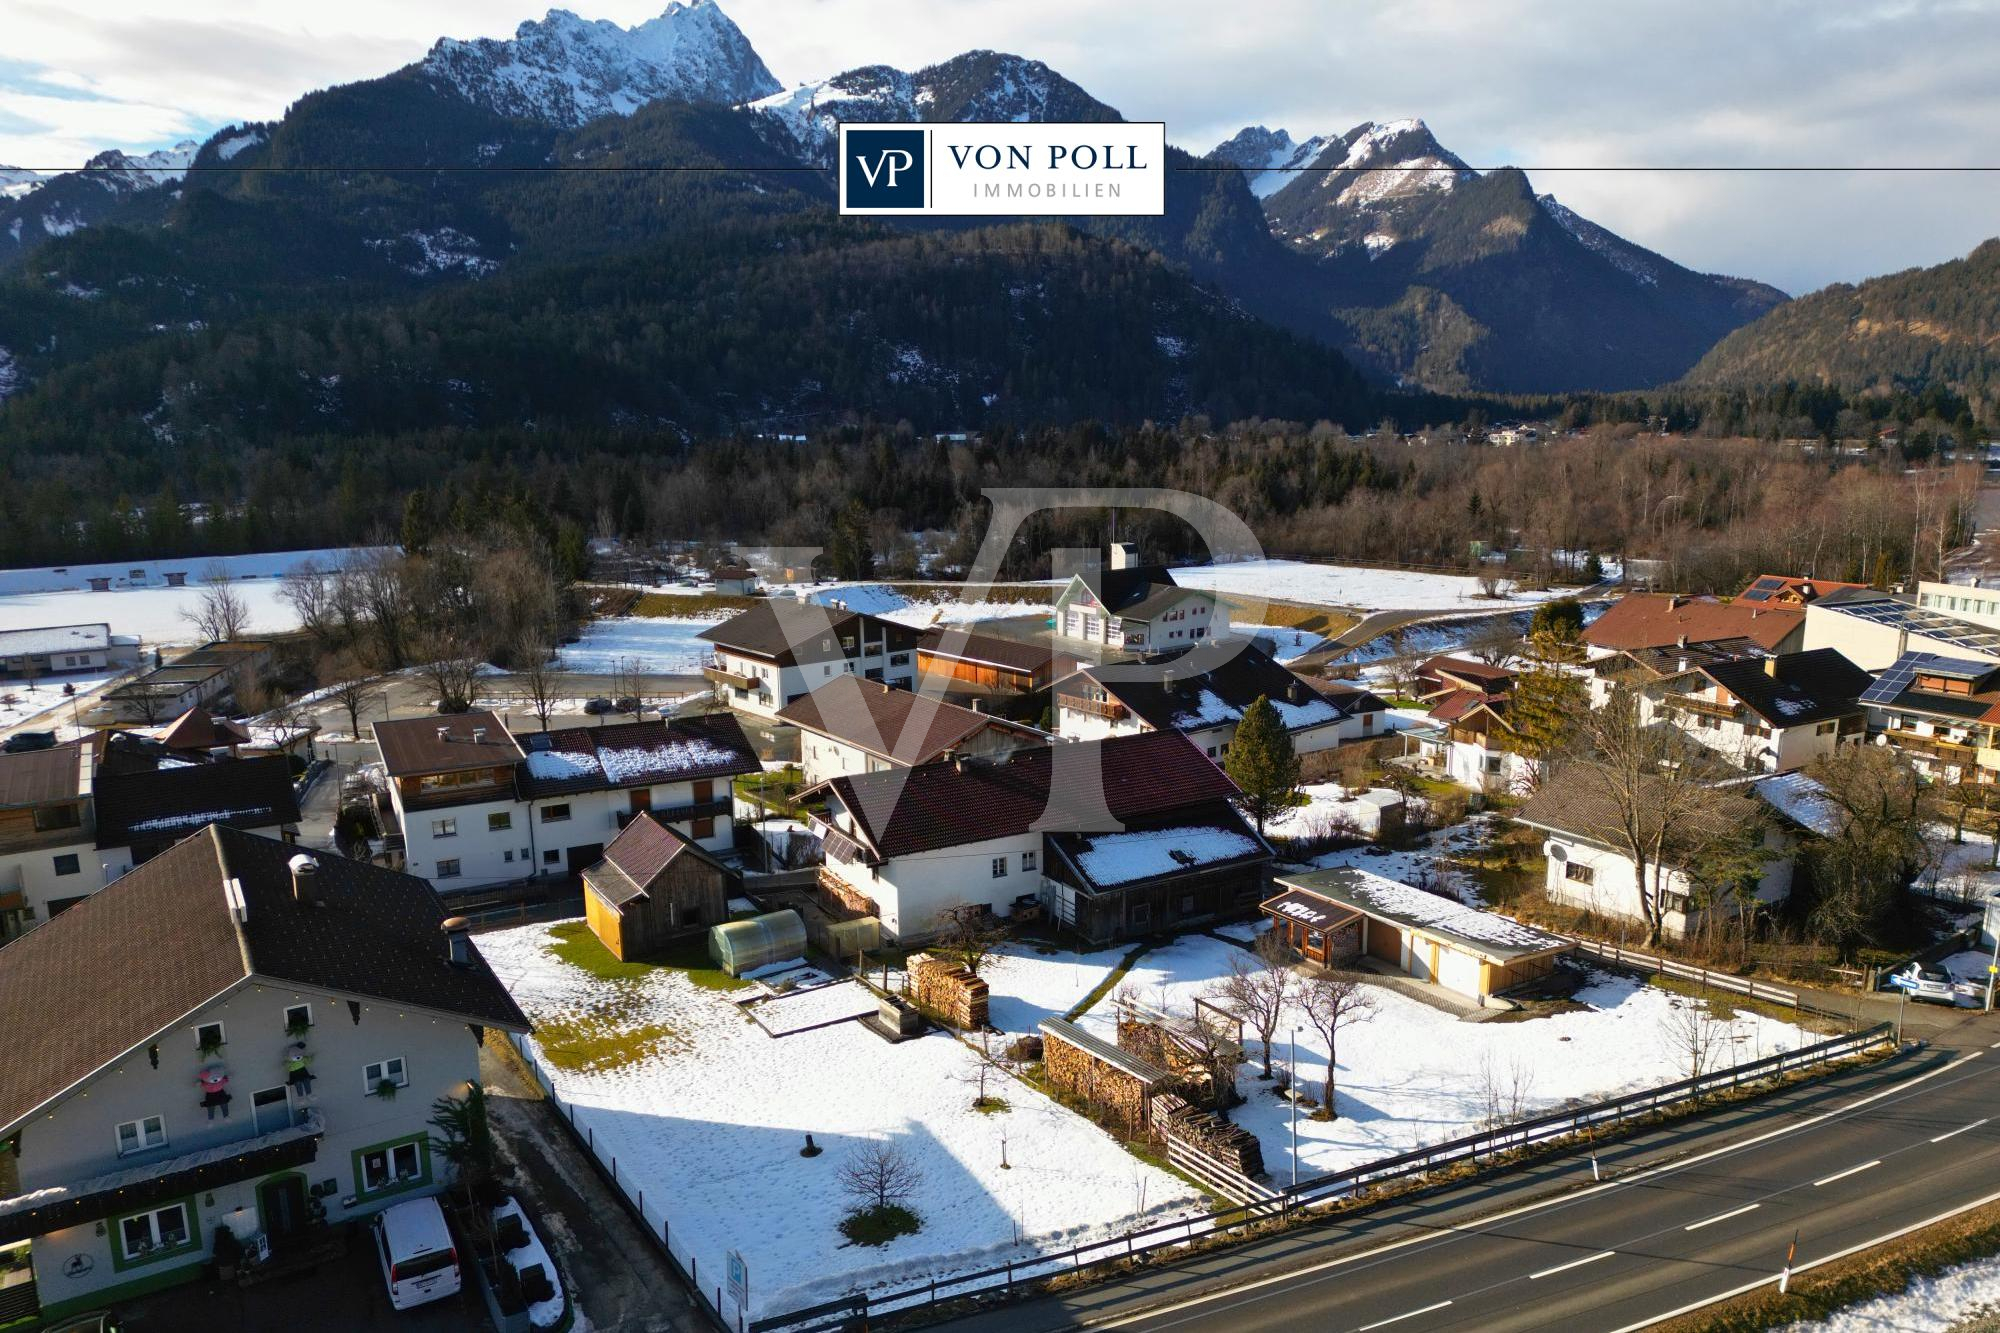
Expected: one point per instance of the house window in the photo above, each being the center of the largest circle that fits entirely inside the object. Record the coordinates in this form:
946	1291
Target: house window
1825	728
1579	874
499	823
554	814
1139	914
154	1233
525	853
140	1135
67	864
209	1037
447	868
507	855
1027	861
53	817
390	1070
999	867
1491	764
444	828
390	1166
298	1016
552	857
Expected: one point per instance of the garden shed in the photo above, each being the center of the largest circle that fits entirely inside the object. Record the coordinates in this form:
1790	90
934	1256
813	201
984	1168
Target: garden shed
653	886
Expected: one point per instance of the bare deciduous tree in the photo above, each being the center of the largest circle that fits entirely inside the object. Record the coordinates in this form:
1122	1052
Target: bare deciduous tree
312	592
1495	642
1210	1042
535	667
219	615
451	667
352	688
1694	1037
1504	1088
878	1174
1334	1001
1258	987
970	935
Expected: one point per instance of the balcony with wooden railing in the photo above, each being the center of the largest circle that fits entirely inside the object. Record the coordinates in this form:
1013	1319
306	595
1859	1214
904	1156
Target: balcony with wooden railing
721	673
1694	703
1108	709
1940	748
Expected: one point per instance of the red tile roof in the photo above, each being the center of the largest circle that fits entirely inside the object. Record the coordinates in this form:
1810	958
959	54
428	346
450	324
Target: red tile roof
946	805
1660	620
901	725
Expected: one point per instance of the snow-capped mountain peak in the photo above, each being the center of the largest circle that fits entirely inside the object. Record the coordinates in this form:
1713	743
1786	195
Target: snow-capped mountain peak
15	182
1270	159
1620	253
567	70
1380	163
119	171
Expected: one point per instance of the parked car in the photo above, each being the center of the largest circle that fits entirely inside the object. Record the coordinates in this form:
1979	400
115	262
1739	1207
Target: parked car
597	707
419	1260
1923	981
627	704
22	741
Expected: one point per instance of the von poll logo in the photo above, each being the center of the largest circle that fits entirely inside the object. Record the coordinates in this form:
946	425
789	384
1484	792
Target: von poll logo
1043	169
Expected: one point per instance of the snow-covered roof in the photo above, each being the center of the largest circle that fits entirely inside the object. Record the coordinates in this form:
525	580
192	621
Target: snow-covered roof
1125	858
55	639
1801	800
559	765
1494	937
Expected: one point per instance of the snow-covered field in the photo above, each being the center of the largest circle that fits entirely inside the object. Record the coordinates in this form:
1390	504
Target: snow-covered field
156	615
711	1124
1950	1301
22	701
1412	1074
930	607
654	645
1351	586
153	573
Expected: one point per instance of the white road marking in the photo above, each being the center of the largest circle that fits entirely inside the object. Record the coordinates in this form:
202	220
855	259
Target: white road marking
1239	1296
1797	1269
1574	1263
1960	1130
1842	1175
1401	1317
1722	1217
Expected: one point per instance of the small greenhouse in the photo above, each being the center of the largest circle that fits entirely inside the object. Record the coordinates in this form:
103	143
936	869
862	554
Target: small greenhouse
744	946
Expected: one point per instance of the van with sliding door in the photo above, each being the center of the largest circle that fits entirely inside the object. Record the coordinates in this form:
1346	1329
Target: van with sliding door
419	1260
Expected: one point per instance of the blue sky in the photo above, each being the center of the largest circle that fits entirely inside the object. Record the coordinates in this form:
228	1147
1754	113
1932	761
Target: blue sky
1542	83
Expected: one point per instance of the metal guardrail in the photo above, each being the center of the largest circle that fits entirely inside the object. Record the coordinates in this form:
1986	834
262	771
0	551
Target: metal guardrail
1567	1123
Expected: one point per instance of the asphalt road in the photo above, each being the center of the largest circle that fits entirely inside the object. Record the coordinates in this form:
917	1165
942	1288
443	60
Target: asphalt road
1687	1216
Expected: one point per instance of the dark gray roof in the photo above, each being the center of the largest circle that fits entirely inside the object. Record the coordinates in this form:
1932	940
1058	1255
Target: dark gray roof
168	803
1794	689
145	951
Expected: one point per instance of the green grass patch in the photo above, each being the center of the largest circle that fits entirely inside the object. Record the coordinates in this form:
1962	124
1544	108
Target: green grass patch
1103	988
879	1226
596	1040
991	1105
576	945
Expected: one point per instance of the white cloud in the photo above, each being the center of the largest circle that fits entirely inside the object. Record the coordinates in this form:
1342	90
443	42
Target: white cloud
1542	83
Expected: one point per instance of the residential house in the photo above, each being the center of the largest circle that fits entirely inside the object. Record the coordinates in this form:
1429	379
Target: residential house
1589	869
1439	676
850	725
1469	741
1671	620
200	732
735	580
1111	838
1642	669
1332	917
54	650
48	859
780	650
1788	590
1873	629
1203	693
206	676
652	887
479	807
238	1035
974	662
1133	607
1941	712
146	799
1772	714
1977	601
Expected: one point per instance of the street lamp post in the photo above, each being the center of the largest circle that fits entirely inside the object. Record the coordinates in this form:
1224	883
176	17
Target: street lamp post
1295	1108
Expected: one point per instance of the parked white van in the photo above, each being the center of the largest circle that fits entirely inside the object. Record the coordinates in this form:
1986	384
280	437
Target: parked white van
419	1261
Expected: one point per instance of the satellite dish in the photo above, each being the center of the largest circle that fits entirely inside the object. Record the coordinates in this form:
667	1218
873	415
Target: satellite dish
1557	852
1882	738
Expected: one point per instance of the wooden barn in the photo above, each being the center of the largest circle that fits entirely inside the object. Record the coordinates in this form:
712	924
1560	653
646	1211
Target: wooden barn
652	887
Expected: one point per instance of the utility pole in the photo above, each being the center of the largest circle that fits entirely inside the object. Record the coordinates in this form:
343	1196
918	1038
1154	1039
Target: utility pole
1993	966
1295	1107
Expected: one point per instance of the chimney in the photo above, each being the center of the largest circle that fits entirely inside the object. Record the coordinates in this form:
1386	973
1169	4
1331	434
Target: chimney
479	735
1124	555
1674	602
458	940
232	894
444	733
305	880
961	762
1681	642
1771	666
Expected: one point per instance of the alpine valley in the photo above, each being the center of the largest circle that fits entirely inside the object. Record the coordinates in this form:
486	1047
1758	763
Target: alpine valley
398	254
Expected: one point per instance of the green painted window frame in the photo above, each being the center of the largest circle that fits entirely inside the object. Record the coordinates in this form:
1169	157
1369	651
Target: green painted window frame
422	1143
114	1233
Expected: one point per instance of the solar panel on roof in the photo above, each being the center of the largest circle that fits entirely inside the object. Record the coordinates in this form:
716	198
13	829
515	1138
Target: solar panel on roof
1769	581
1931	625
1902	673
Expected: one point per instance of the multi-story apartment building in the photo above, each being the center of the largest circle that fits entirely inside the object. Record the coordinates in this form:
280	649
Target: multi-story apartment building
780	650
849	725
236	1036
1133	608
478	806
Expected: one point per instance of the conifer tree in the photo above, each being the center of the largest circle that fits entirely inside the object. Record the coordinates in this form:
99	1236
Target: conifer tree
1262	762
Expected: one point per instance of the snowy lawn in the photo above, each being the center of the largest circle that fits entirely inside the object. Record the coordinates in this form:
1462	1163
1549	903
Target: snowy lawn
156	615
653	645
1413	1074
709	1120
1352	586
24	700
1954	1299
